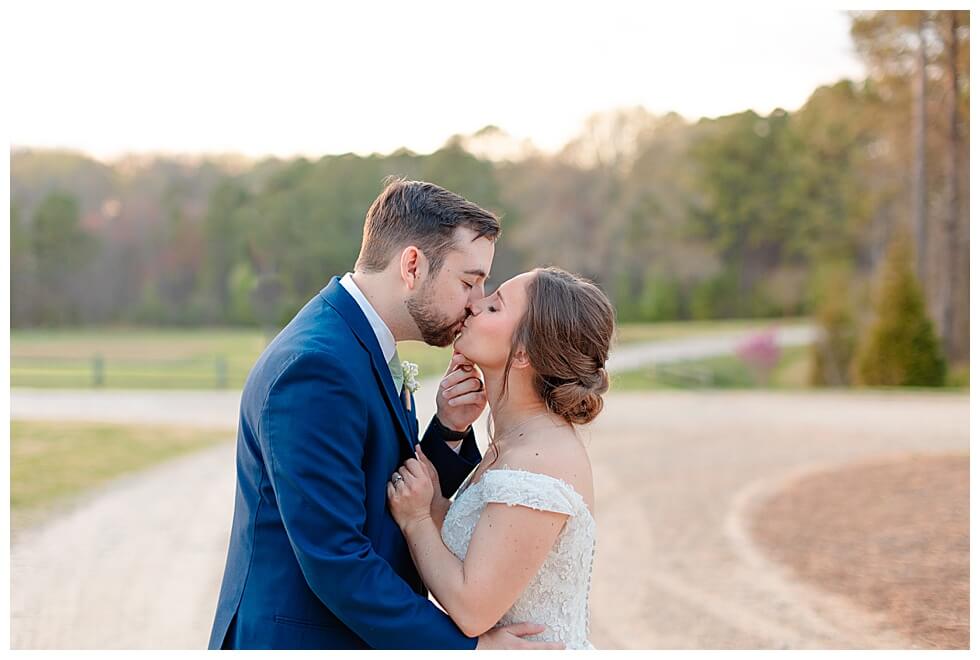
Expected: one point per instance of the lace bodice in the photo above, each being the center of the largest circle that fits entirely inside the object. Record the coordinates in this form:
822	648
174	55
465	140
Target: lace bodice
558	594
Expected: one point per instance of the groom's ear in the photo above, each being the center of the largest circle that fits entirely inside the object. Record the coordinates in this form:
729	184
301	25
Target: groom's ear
413	266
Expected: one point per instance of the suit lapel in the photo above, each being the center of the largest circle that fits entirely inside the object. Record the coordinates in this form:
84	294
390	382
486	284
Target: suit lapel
338	298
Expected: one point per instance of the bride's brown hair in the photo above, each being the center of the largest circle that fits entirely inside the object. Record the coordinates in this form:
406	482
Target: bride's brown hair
566	331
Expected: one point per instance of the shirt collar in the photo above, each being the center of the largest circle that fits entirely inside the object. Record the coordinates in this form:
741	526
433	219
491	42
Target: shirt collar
385	339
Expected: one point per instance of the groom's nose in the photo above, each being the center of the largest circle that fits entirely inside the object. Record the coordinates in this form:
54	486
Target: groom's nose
476	295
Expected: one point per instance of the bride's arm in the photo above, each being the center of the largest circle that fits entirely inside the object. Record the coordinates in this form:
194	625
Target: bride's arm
508	547
439	509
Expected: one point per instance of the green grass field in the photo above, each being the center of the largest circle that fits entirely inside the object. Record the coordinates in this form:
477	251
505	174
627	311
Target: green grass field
723	372
729	372
156	358
208	358
50	462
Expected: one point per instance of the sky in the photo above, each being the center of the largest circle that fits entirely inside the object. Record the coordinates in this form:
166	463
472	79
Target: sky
292	78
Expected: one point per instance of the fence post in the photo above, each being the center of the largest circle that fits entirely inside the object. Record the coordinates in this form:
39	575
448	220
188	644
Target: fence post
98	370
221	372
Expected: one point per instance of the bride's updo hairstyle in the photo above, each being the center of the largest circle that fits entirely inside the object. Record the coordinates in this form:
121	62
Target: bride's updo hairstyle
566	331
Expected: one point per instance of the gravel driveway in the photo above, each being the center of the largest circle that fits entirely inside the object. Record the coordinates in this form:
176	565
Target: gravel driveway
138	563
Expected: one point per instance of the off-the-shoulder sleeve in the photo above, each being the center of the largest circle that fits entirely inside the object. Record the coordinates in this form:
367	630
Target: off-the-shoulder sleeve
530	489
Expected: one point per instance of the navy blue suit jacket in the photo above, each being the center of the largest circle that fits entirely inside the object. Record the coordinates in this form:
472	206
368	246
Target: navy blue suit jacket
316	559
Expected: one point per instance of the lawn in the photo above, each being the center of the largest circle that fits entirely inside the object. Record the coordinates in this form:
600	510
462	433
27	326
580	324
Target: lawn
722	372
156	358
209	358
51	462
792	371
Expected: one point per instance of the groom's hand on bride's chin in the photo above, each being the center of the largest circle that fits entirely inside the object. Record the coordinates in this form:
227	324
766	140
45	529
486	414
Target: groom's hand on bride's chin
461	397
512	638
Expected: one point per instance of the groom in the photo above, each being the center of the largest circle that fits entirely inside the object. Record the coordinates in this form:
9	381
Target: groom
315	559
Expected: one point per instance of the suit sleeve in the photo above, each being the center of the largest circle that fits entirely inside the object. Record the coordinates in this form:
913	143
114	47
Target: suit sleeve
315	468
453	468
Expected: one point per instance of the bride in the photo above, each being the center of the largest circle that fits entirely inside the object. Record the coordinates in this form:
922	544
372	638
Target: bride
517	541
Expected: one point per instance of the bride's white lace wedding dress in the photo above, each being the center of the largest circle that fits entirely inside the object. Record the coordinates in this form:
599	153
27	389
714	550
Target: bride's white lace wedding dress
558	595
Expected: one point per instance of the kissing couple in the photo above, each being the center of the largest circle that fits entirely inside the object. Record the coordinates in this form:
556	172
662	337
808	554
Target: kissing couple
345	521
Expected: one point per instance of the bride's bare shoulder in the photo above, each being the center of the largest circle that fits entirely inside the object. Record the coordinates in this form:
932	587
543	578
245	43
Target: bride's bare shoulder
558	454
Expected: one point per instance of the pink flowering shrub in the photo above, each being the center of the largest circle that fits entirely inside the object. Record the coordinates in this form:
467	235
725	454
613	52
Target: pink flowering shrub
760	353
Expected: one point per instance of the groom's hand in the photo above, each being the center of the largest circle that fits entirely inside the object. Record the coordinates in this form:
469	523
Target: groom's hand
461	397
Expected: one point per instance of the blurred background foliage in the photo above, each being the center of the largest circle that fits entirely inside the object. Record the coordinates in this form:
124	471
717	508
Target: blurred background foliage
742	216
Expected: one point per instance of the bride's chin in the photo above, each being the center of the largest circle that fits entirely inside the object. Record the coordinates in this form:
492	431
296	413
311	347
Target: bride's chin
459	346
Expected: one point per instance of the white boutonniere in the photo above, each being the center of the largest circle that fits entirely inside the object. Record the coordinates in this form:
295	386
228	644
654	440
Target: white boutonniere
410	372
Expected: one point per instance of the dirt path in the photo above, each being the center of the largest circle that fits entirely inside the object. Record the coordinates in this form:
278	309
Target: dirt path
138	564
674	475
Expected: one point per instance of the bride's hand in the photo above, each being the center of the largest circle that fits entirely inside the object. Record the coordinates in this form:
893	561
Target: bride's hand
440	503
410	492
430	469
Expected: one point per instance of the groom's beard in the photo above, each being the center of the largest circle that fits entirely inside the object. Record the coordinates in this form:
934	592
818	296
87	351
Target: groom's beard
436	331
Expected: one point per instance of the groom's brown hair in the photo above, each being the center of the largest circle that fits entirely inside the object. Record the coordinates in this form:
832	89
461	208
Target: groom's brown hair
421	214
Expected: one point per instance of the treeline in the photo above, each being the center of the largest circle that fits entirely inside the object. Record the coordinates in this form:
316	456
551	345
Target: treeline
737	216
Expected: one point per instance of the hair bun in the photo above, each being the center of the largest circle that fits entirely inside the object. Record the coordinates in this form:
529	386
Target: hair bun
566	332
579	402
599	381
